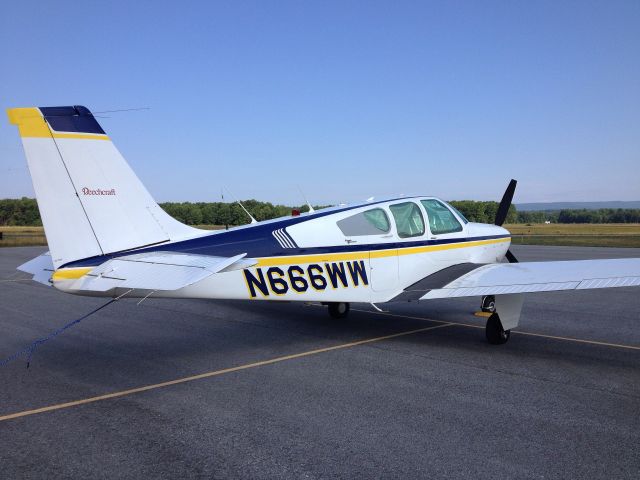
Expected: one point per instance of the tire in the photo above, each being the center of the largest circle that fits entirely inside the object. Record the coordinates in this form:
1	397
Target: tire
488	304
339	309
496	335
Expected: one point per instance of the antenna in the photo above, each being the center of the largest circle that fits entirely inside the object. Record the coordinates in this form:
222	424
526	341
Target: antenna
124	110
311	209
226	224
253	220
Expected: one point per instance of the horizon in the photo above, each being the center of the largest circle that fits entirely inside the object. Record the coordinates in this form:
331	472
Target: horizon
347	101
318	205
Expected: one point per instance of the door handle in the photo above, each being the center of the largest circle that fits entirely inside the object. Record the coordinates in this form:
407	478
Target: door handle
348	240
387	236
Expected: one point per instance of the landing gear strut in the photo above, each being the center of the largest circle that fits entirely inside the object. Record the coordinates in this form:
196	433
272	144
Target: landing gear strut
339	309
488	304
496	335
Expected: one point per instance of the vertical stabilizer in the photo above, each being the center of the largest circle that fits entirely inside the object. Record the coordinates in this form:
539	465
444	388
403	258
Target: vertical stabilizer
90	200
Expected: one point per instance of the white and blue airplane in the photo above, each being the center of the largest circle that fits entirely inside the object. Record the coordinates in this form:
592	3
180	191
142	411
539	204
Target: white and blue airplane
108	237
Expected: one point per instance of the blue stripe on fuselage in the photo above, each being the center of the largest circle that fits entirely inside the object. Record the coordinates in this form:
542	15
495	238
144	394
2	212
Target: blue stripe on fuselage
258	242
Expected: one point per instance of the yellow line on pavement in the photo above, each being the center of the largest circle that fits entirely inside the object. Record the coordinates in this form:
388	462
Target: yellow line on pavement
517	332
580	340
215	373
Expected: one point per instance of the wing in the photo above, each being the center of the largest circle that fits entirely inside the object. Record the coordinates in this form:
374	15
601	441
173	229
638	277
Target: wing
157	271
466	280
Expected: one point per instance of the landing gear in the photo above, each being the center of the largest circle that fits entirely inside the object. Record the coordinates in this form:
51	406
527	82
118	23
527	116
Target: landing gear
496	335
488	304
339	309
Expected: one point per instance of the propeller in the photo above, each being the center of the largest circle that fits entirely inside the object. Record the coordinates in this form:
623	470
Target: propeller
503	210
511	257
505	203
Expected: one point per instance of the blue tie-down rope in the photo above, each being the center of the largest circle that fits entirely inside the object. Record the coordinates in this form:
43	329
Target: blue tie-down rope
31	348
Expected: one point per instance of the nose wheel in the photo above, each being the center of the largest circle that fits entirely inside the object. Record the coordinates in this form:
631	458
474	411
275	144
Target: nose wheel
339	309
496	335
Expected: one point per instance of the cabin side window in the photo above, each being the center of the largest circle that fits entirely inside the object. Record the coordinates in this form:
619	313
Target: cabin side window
441	220
371	222
408	218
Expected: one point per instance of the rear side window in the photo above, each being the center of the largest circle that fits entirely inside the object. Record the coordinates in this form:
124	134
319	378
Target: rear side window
441	220
409	221
371	222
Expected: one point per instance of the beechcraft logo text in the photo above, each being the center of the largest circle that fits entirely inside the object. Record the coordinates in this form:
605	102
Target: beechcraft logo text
97	191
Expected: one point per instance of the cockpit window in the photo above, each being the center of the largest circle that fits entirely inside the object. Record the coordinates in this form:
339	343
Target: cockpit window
441	220
371	222
408	217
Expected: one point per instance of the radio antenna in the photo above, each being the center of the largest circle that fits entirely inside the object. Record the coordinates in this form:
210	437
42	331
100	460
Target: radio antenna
253	220
311	209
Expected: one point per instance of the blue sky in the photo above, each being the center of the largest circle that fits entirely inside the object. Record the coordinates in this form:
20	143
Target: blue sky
346	99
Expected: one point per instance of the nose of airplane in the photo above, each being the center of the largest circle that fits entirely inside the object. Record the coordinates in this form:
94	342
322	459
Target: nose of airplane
501	230
487	229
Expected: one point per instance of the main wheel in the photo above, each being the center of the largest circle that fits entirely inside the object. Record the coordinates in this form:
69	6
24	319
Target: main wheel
339	309
488	304
496	335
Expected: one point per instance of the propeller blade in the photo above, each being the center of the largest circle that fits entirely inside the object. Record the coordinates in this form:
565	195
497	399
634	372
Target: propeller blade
505	203
511	257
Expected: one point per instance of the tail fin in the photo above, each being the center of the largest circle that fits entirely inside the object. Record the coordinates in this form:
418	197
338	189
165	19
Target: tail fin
90	200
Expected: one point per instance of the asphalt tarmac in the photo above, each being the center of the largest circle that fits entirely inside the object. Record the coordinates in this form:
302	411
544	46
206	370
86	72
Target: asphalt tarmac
221	389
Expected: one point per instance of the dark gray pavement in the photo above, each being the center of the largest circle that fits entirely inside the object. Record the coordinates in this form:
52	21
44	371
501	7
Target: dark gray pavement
437	404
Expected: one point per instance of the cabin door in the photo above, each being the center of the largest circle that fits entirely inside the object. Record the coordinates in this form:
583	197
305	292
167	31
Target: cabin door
383	269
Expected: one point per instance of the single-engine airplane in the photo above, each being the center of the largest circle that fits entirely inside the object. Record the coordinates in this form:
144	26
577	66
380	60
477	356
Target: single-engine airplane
108	237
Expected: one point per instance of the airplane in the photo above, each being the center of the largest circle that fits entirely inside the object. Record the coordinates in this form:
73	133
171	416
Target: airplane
107	237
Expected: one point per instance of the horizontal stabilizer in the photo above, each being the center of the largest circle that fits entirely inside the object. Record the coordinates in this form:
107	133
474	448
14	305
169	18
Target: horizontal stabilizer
40	267
530	277
157	271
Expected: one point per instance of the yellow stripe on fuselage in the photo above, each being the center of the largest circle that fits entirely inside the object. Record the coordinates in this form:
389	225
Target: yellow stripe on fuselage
75	273
336	257
32	124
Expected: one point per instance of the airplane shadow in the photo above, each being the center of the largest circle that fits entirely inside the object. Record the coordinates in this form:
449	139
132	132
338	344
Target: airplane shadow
167	339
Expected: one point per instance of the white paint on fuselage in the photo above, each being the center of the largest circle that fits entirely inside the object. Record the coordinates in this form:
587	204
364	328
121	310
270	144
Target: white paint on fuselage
410	269
387	271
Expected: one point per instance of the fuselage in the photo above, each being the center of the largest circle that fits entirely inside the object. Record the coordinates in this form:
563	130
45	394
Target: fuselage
368	252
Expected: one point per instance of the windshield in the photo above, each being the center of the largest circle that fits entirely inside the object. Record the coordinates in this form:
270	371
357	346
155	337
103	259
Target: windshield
441	219
462	217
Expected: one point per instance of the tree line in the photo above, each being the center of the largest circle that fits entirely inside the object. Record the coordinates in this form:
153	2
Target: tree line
220	213
604	215
21	212
24	212
483	212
